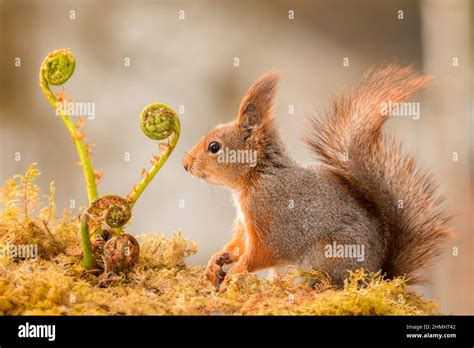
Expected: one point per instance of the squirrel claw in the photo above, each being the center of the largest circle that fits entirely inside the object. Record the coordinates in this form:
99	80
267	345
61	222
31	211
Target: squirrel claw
220	274
224	259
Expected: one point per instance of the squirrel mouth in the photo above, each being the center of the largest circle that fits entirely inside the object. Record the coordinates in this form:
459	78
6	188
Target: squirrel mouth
209	179
203	176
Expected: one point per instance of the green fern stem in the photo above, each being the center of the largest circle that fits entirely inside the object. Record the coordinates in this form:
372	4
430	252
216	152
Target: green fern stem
56	69
158	122
88	259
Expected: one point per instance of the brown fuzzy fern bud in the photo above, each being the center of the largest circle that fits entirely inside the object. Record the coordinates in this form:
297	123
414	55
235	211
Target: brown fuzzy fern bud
121	254
111	209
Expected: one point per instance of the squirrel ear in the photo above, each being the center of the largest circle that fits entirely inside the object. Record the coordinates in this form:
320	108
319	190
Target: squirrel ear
257	104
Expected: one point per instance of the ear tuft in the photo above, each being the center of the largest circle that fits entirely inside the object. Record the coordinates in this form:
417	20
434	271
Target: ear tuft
257	104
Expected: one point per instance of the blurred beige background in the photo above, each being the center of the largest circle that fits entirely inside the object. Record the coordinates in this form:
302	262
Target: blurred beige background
190	62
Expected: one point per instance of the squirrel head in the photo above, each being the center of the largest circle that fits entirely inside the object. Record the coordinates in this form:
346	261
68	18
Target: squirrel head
235	153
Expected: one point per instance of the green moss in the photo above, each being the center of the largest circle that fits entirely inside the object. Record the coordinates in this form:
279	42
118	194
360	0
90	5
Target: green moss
162	283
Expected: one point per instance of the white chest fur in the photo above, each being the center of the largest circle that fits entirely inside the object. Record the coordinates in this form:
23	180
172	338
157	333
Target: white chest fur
240	214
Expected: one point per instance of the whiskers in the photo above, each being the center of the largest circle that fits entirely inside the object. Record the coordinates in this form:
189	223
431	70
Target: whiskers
183	152
195	171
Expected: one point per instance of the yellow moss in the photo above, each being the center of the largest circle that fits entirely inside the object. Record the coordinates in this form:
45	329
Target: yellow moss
162	283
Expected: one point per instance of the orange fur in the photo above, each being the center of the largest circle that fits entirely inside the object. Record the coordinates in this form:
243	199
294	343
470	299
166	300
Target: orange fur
258	256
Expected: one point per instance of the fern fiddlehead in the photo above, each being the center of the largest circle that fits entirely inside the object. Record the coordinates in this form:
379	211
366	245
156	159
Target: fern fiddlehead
57	69
158	122
111	209
120	254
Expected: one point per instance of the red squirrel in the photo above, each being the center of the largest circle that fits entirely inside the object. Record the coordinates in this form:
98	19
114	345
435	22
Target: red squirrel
363	190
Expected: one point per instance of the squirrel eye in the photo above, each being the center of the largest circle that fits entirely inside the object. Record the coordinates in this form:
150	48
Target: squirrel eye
214	146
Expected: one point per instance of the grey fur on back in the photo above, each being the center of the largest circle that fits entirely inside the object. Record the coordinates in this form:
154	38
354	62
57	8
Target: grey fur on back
311	211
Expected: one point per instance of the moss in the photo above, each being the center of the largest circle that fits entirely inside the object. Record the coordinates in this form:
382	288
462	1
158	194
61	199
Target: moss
162	283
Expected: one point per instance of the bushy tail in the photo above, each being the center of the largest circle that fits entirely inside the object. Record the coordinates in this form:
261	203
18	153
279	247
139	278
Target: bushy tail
349	139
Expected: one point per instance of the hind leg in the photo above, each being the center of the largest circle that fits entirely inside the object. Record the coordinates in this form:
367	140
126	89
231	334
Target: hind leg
336	259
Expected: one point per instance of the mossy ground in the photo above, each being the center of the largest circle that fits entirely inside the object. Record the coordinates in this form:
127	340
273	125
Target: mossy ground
162	283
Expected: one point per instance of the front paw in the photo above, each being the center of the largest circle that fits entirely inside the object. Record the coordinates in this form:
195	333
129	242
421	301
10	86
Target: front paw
214	272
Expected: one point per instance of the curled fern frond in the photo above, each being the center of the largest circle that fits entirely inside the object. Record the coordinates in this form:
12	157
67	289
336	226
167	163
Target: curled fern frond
111	209
58	67
159	121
